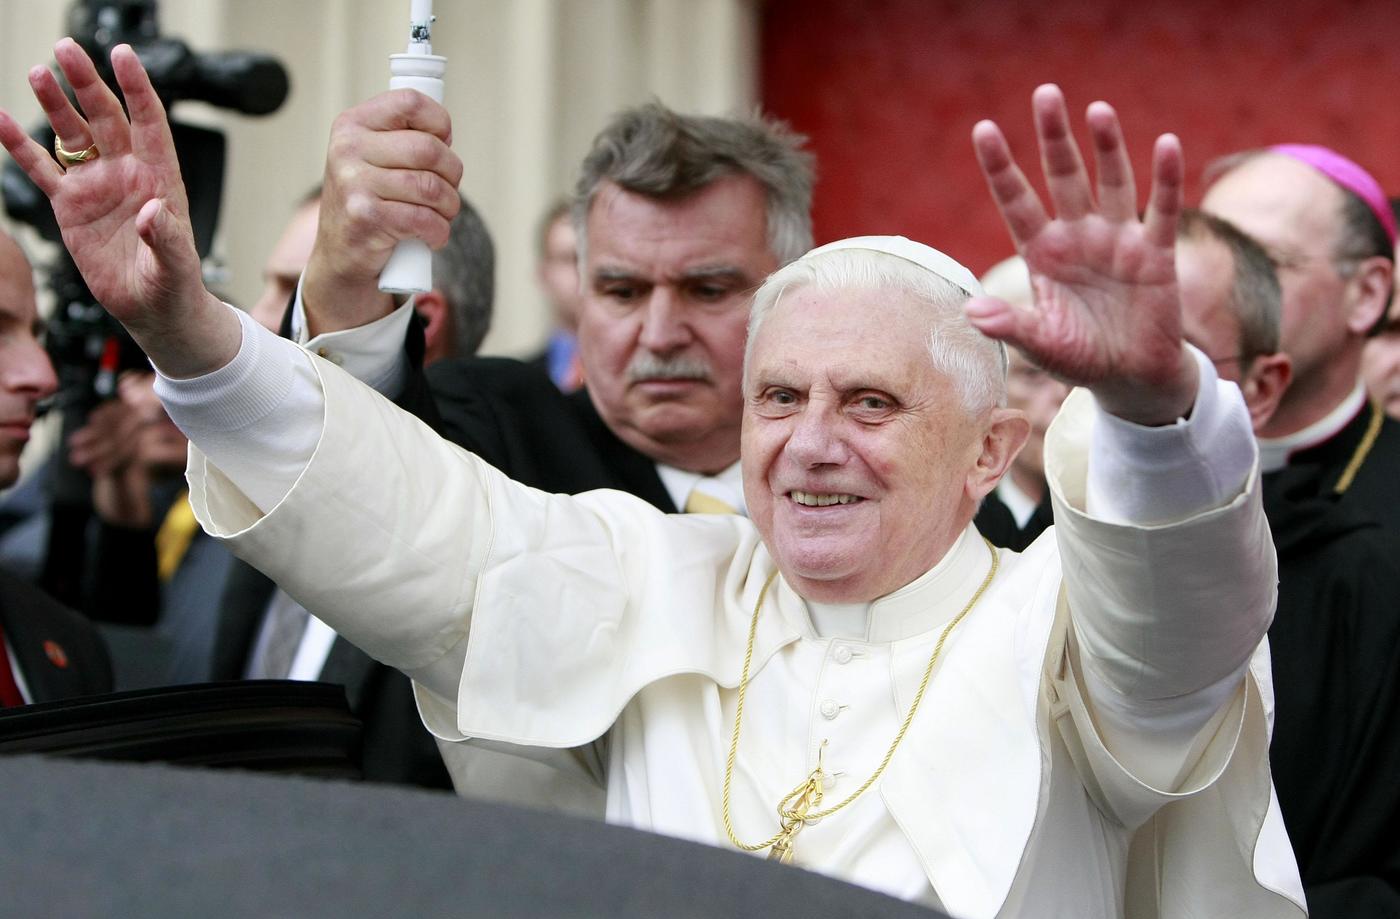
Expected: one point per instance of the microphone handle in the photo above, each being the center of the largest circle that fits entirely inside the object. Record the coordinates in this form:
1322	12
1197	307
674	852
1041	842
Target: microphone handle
410	266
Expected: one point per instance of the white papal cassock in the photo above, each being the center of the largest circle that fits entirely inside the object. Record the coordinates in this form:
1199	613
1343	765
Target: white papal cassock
561	622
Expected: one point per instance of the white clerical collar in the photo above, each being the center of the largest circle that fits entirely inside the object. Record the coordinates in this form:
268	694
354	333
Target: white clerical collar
1275	451
923	604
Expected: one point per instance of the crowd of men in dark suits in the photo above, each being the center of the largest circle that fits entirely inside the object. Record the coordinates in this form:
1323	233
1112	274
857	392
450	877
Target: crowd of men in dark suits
1286	275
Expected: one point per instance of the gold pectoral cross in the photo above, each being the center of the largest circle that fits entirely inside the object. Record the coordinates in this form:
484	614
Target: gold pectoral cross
793	811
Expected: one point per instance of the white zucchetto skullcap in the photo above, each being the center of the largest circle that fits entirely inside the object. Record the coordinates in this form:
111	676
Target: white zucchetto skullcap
926	257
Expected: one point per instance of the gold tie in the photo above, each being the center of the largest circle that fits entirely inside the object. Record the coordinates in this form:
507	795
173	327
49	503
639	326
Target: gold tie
175	535
701	503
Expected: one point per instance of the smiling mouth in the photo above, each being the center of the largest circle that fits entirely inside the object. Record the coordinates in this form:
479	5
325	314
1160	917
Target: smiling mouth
809	499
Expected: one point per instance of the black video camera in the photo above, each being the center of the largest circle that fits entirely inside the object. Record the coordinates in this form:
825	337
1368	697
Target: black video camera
80	334
88	348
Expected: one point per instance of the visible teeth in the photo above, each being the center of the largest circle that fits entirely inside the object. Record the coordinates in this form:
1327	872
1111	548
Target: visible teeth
810	500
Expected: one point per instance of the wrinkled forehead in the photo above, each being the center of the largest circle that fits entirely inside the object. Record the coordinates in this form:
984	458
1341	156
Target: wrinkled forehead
730	205
810	320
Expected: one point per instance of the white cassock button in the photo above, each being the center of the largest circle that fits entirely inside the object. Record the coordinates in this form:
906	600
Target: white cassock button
843	655
830	709
828	781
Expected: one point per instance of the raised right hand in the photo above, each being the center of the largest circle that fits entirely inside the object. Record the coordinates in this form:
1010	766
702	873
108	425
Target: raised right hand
390	175
1107	313
124	215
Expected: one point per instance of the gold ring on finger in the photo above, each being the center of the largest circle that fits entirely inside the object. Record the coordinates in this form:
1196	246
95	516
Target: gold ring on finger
69	158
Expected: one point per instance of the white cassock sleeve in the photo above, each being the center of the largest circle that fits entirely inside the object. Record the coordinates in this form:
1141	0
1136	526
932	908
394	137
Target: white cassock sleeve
1158	678
1155	678
260	414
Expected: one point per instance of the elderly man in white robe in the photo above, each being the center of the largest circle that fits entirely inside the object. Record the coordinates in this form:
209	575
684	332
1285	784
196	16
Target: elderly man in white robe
855	681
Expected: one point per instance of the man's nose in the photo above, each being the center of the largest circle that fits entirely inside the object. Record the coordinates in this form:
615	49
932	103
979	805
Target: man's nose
28	372
816	437
665	326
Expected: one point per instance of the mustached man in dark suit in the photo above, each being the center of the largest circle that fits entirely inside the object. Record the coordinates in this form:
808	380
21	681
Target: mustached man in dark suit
49	651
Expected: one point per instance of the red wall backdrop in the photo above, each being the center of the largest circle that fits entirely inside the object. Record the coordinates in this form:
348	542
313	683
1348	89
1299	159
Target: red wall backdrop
888	91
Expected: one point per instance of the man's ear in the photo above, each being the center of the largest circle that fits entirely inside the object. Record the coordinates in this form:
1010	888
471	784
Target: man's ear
1264	385
1368	293
437	325
1006	433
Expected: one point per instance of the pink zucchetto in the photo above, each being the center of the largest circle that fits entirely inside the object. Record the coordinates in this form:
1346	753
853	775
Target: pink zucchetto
1346	174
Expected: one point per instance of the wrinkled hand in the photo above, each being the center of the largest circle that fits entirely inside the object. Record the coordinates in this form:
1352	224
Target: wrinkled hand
1106	313
390	175
124	215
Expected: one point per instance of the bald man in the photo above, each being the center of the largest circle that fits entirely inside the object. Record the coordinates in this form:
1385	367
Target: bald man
1326	224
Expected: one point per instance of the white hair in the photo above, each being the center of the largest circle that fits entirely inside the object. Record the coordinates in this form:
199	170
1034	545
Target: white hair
976	364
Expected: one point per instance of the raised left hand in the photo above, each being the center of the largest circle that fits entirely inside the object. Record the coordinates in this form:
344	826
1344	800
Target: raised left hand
1106	313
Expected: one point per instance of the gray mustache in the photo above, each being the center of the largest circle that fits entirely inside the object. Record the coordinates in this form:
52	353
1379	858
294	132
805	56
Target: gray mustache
650	367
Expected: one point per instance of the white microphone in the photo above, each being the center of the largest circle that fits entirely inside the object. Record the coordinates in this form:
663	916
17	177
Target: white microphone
410	266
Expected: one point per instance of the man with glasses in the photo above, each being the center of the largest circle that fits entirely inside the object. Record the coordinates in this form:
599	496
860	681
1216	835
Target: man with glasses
1326	223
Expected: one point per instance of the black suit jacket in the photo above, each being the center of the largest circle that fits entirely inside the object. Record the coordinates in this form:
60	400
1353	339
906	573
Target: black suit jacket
395	747
59	652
